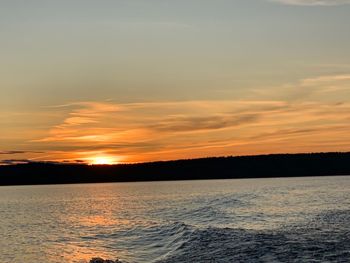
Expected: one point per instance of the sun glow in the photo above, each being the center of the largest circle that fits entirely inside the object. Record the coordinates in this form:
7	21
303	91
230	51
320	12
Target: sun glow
99	160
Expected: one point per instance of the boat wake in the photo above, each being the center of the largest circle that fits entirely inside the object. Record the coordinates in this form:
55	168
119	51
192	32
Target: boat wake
325	238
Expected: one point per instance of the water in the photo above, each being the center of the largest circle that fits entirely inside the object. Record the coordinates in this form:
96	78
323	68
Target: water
255	220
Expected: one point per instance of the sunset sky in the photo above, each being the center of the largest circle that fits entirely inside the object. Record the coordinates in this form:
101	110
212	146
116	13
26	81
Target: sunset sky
110	81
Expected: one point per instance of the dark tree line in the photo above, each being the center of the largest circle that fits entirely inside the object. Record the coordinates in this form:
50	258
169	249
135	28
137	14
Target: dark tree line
261	166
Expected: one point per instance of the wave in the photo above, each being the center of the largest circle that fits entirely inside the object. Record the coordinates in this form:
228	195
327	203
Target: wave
326	238
323	238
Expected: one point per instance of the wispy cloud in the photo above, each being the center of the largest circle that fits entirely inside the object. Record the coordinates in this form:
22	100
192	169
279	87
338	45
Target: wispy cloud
170	130
27	161
327	83
312	114
14	161
190	124
313	2
327	88
17	152
325	79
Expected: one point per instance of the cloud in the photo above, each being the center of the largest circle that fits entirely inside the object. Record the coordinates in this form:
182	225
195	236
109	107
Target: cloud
328	85
327	79
309	115
14	161
17	152
324	88
313	2
190	124
115	122
147	131
28	161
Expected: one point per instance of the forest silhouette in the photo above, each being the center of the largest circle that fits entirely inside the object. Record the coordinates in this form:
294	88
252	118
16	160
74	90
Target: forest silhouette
260	166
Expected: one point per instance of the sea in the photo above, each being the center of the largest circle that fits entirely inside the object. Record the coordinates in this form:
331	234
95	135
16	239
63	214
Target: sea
249	220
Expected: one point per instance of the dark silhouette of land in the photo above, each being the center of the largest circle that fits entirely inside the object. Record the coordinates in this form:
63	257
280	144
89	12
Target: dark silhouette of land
261	166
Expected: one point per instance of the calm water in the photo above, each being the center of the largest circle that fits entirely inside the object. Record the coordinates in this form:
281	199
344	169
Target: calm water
258	220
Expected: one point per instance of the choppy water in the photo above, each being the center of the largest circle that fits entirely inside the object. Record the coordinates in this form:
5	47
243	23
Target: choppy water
255	220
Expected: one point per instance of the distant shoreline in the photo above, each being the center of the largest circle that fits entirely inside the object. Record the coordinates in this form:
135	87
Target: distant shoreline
240	167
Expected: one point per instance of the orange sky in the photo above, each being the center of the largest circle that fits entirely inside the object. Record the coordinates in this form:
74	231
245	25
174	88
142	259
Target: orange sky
134	81
108	132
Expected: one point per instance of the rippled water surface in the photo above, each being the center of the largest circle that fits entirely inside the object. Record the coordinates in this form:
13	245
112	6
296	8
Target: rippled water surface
255	220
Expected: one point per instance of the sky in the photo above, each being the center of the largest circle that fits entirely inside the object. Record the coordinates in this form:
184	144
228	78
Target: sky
123	81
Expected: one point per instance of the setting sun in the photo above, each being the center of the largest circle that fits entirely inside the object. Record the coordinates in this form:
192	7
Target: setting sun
103	160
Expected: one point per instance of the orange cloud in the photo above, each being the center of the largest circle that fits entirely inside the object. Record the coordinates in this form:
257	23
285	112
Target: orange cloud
311	115
169	130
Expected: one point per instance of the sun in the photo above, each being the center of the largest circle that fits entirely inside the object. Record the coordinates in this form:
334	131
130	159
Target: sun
99	160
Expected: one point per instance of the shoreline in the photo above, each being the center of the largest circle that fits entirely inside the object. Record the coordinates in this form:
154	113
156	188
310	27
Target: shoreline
243	167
